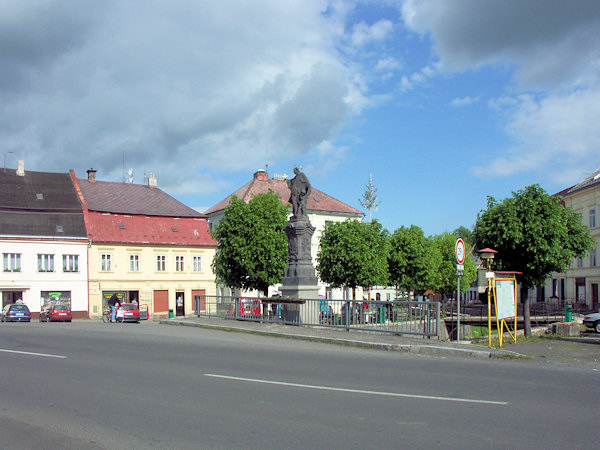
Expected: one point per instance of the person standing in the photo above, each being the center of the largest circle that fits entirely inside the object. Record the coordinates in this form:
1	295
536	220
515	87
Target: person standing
114	299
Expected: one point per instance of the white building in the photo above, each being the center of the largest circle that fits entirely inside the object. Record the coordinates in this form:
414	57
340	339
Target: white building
320	208
43	241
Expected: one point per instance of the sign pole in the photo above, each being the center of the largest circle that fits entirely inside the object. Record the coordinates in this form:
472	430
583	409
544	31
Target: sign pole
458	309
459	249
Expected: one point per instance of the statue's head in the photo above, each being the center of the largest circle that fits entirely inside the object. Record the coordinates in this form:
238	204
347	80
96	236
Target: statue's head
296	170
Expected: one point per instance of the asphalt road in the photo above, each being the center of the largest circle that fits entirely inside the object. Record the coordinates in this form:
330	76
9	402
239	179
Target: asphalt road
94	385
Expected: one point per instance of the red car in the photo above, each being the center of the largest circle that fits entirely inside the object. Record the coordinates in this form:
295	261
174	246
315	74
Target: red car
131	312
56	313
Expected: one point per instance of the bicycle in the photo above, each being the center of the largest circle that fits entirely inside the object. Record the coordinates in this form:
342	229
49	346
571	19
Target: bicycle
106	315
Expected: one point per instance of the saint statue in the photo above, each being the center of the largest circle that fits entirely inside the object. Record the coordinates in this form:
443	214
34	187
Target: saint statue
299	191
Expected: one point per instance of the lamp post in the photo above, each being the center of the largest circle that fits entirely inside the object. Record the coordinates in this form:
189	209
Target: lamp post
488	254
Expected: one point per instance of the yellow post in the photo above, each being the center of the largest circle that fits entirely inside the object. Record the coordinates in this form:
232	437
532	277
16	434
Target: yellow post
489	313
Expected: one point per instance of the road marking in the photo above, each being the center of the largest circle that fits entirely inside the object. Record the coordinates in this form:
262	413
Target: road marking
32	354
358	391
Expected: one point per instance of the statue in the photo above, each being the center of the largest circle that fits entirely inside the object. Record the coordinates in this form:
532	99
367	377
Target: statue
299	191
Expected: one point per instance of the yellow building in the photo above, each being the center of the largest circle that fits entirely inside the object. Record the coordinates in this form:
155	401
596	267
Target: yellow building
145	246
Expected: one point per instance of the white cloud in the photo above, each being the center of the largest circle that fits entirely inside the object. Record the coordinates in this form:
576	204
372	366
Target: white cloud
465	101
177	88
363	34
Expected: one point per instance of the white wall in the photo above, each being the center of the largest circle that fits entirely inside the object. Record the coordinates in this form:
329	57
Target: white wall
32	283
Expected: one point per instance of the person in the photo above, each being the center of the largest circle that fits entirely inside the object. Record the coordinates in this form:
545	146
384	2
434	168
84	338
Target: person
112	301
120	313
300	189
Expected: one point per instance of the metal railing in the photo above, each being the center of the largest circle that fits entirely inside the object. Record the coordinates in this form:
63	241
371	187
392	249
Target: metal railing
400	317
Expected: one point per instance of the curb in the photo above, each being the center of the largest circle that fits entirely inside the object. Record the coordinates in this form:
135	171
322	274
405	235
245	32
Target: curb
429	350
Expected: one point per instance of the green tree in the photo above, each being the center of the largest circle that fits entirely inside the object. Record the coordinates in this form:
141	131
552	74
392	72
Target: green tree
353	254
252	252
412	260
465	234
369	197
447	277
533	234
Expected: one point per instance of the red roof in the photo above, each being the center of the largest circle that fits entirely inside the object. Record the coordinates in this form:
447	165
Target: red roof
261	184
154	230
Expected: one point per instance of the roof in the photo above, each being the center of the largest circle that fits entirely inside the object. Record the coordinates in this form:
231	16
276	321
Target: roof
261	184
38	191
592	179
143	229
42	224
128	198
40	204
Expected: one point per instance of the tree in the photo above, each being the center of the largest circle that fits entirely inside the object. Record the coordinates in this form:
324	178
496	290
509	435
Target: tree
252	252
412	260
465	234
353	254
447	277
533	234
369	197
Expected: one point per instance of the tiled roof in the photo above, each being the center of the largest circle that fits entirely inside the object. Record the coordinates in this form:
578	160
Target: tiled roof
42	224
142	229
127	198
38	191
591	180
261	184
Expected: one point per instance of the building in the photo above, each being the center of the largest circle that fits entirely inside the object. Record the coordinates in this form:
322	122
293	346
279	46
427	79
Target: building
145	246
320	208
43	240
583	277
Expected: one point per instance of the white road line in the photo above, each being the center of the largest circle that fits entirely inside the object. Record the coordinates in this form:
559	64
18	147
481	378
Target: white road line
359	391
32	354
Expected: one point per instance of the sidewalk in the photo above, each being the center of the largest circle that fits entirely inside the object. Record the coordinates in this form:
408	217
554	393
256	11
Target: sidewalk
582	352
364	339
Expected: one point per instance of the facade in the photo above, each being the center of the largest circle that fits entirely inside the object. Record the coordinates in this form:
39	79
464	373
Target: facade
583	277
43	241
145	246
320	208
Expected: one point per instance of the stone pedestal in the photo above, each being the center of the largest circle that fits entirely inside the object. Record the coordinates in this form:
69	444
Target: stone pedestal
300	280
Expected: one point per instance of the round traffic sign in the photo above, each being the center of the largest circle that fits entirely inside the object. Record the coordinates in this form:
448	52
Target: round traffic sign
460	251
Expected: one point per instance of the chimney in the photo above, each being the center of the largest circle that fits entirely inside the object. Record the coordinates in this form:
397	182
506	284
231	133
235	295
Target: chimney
261	175
152	181
21	168
91	175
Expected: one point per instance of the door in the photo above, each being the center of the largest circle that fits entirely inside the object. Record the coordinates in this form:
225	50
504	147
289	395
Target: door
199	296
594	296
161	301
179	304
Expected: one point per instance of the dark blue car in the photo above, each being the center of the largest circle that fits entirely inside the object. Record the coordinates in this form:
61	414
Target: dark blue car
15	312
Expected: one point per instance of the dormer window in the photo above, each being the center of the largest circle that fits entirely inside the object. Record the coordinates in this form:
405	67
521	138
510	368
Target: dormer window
39	196
174	229
59	228
122	226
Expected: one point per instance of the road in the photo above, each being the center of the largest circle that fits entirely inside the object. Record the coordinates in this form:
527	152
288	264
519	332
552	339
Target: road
94	385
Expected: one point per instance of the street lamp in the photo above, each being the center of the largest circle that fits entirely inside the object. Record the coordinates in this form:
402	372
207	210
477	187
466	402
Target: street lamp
488	254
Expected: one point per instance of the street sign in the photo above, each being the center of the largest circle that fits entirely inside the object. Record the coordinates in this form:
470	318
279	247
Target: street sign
460	251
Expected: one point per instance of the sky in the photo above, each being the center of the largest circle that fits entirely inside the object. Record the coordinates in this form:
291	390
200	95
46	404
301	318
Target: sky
443	103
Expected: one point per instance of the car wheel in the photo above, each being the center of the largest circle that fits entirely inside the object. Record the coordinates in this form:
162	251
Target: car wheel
597	326
41	319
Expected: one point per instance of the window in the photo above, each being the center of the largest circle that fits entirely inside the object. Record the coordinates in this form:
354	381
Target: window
45	263
197	263
579	261
161	263
134	263
179	263
70	263
592	218
12	262
593	258
106	264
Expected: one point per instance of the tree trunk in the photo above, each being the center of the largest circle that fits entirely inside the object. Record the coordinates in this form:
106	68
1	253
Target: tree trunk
526	312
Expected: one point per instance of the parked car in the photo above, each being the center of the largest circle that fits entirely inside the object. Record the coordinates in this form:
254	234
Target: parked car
56	313
592	321
15	312
131	312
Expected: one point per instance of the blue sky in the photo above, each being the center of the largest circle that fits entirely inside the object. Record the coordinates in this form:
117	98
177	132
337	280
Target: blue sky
444	103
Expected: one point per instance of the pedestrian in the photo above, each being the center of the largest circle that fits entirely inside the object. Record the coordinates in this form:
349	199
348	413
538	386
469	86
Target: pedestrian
112	302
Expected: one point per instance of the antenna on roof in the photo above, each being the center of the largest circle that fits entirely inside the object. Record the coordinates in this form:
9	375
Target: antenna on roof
130	173
123	166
